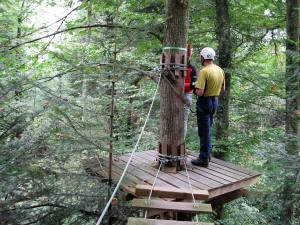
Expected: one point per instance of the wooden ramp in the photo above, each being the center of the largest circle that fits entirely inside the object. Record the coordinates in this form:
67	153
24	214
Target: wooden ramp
218	178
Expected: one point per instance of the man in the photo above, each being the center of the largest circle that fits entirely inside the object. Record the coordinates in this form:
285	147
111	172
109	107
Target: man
189	84
209	84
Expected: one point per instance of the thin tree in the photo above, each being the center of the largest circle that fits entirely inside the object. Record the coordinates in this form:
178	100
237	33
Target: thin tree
224	49
292	85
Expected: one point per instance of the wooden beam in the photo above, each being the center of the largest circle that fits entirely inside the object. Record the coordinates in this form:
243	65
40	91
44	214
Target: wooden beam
231	187
228	197
218	202
170	192
187	207
142	221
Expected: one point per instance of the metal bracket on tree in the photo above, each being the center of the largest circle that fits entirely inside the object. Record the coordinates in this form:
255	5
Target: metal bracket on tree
174	59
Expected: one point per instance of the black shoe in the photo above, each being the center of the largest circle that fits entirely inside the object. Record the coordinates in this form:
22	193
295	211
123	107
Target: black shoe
200	162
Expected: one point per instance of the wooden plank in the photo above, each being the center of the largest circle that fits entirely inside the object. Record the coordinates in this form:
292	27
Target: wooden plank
141	175
128	182
232	187
211	174
152	171
93	164
187	207
230	165
235	167
229	174
202	176
229	169
227	197
206	171
168	192
176	179
179	177
206	180
142	221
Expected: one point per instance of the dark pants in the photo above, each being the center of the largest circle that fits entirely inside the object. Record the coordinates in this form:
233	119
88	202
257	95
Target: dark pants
206	108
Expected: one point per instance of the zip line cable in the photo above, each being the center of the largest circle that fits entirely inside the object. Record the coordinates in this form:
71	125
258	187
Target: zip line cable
130	158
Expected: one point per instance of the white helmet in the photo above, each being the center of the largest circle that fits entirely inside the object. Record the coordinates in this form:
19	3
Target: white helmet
208	53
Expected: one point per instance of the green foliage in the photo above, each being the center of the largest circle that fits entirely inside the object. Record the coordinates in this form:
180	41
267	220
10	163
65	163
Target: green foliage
56	94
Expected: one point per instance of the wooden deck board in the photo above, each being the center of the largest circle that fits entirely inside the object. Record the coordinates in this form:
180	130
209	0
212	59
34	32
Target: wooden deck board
208	177
181	176
173	193
142	175
209	172
142	221
219	178
152	171
187	207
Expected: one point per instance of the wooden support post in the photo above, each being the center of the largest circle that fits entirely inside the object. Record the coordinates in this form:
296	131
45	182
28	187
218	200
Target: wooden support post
217	203
219	211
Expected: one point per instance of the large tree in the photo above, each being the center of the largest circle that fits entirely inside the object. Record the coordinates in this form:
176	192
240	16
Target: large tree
171	92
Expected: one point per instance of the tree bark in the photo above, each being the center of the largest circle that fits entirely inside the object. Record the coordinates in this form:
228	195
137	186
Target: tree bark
292	85
292	82
224	42
171	106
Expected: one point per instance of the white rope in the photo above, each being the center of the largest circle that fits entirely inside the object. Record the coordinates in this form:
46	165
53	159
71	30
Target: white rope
160	163
130	158
190	185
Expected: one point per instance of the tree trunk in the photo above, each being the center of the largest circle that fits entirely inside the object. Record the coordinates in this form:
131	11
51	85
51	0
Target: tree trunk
292	85
171	104
292	82
223	36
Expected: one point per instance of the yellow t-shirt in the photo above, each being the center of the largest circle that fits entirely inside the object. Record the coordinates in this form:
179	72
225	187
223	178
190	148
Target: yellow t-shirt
210	79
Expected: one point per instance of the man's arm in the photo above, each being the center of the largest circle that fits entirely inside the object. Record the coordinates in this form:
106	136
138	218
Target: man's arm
223	84
200	84
193	77
199	91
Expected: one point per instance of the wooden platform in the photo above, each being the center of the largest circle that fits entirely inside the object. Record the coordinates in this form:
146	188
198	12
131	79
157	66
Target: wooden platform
218	179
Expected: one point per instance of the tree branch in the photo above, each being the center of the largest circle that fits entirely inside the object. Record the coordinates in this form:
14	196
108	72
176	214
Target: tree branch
79	28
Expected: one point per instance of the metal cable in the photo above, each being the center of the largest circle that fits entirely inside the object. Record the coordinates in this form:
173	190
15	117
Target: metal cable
190	186
160	163
130	158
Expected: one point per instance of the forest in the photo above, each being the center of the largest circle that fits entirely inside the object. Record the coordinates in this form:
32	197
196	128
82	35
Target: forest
77	79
